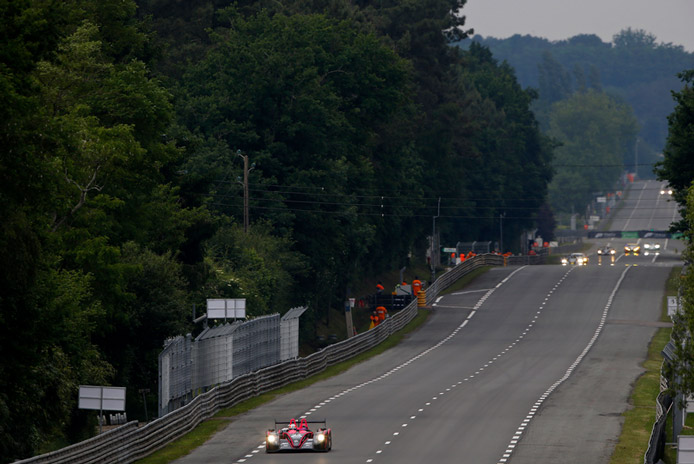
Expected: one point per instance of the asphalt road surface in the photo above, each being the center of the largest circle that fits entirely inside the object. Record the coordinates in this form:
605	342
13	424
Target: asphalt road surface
645	208
529	364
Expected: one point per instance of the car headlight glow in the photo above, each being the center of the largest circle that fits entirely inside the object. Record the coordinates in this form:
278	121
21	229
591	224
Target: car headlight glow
271	438
320	438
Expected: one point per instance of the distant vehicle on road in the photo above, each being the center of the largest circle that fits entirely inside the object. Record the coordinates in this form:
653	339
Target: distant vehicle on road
667	191
577	259
606	251
651	248
632	248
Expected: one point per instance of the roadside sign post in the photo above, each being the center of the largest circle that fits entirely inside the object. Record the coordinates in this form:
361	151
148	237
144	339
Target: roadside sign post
101	398
673	305
226	308
349	304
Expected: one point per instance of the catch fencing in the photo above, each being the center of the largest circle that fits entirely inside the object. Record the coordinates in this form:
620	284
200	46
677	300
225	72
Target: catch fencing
131	442
218	354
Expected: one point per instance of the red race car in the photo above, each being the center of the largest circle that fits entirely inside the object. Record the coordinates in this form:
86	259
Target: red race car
297	436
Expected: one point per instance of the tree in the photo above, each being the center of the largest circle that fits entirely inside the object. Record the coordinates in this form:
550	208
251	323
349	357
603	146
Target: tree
83	156
682	378
308	99
595	131
634	68
677	166
512	167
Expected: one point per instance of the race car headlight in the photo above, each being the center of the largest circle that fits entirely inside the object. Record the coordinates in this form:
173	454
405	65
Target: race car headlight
657	246
272	438
320	438
612	252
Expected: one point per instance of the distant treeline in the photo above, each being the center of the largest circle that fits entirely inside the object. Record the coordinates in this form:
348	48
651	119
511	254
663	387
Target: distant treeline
633	68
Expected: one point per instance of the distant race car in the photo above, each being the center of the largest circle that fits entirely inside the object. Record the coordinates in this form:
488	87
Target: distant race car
651	248
606	251
666	191
634	248
578	259
295	436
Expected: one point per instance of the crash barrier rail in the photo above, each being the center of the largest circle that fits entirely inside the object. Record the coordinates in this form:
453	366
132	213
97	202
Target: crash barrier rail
656	443
130	442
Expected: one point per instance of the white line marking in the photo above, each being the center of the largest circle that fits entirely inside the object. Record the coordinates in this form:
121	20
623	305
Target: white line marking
571	368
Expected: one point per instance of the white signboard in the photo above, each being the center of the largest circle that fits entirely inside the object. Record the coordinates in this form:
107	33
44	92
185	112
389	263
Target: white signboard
102	398
672	305
685	449
226	308
601	199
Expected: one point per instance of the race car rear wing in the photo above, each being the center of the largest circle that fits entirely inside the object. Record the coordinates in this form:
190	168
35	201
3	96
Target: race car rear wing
286	422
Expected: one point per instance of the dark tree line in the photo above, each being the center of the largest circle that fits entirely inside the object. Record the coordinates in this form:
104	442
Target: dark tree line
121	205
634	69
677	169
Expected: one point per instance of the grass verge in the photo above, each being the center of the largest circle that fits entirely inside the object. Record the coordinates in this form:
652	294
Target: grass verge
206	429
465	280
639	419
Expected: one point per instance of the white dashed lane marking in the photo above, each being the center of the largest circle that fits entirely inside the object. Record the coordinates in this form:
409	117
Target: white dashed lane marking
526	421
521	428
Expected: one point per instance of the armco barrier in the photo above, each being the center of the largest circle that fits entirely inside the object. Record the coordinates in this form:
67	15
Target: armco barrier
129	442
656	443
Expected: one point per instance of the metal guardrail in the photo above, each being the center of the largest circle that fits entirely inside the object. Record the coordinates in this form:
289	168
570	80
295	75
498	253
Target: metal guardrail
663	405
130	442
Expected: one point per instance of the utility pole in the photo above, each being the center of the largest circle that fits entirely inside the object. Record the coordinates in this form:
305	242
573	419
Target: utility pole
636	158
501	232
433	242
246	170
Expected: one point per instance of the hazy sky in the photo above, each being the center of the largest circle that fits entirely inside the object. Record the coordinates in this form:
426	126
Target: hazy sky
668	20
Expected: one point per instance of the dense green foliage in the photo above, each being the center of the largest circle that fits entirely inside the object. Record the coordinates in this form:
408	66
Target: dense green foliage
595	131
634	68
677	168
122	127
